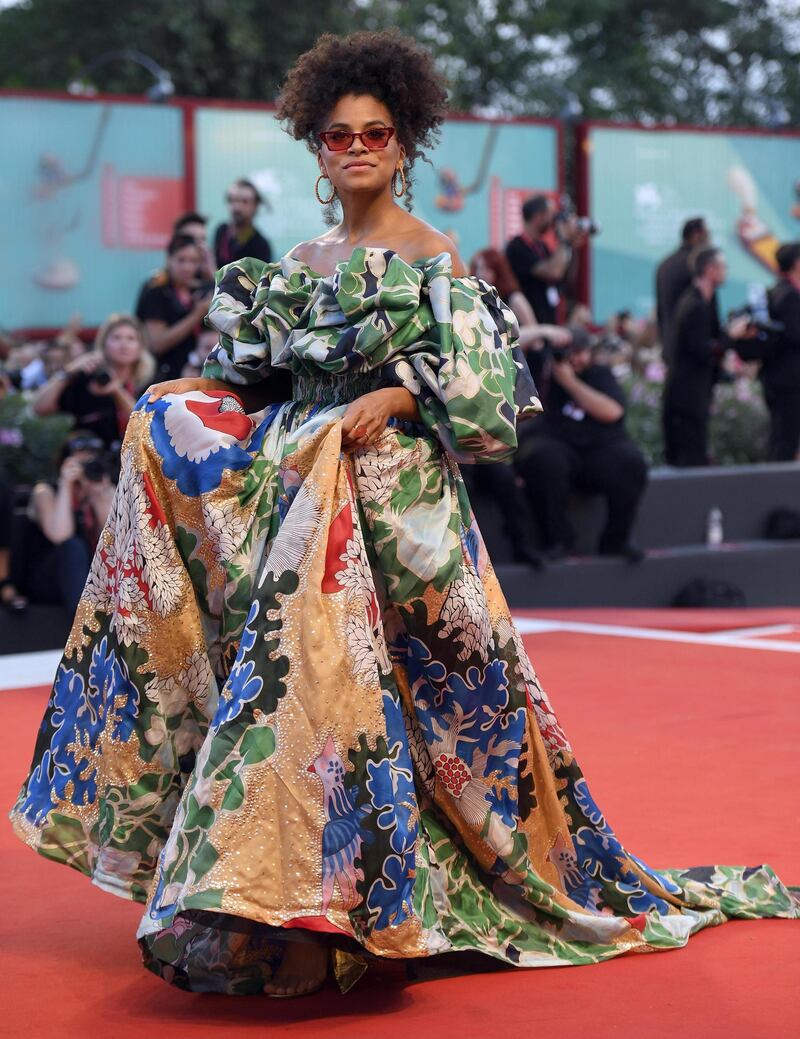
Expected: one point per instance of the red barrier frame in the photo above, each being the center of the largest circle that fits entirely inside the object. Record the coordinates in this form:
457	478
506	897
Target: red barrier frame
188	107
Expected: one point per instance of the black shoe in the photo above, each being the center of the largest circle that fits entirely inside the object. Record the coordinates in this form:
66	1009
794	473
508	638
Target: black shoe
10	598
629	550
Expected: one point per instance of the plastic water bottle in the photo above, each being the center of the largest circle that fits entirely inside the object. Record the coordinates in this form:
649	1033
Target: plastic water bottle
714	533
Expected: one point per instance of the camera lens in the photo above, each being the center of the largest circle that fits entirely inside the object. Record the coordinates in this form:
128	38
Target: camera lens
93	470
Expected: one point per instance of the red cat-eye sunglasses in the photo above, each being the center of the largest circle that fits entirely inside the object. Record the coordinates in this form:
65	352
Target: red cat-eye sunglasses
376	138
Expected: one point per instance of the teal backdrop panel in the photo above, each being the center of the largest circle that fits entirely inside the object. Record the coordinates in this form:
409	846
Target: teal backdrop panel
88	193
479	174
643	184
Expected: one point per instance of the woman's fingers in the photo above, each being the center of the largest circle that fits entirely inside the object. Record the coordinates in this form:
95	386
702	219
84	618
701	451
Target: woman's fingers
161	389
362	434
158	391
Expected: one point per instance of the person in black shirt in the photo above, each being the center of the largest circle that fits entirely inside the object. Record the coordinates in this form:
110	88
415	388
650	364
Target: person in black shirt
699	343
195	225
581	442
172	310
65	522
538	268
99	388
239	237
780	366
673	278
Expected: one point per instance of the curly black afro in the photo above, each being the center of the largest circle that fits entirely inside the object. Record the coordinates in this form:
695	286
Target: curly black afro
387	65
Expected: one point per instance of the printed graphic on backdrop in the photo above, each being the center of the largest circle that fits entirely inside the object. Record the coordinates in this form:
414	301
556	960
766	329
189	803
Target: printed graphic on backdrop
88	192
472	189
644	184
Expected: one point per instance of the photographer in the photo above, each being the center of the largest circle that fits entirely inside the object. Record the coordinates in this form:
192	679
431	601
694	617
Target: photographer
581	443
172	310
538	268
780	360
66	521
195	225
500	482
99	388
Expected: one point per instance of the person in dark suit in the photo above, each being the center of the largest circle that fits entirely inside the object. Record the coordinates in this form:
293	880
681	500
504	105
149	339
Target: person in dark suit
674	277
780	366
240	237
699	343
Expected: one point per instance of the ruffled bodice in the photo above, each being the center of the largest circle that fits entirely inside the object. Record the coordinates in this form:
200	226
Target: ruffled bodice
379	320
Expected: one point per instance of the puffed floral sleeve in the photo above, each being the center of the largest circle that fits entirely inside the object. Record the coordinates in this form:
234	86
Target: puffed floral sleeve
254	308
468	373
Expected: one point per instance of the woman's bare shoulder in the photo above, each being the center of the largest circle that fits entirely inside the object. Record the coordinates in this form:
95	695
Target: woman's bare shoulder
425	241
312	250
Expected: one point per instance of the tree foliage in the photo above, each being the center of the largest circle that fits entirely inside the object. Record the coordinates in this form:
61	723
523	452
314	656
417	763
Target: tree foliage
700	61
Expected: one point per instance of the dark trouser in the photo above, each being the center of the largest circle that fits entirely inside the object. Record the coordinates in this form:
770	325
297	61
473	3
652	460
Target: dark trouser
57	576
552	468
784	425
498	483
685	421
6	512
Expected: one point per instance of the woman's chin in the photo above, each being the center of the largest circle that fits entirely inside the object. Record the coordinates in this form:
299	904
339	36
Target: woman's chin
362	180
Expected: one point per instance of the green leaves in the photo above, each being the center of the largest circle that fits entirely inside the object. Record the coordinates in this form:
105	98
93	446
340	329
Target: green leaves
258	743
704	60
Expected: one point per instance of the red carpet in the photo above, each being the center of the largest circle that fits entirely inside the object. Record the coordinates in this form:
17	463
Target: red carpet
690	750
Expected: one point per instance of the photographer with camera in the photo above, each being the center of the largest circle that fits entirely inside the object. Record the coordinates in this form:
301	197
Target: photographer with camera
580	442
539	269
99	388
172	308
66	521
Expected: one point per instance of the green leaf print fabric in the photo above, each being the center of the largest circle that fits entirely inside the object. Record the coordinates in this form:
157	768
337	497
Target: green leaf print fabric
450	341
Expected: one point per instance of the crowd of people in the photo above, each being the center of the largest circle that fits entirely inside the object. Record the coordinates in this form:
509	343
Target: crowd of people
48	531
580	443
695	343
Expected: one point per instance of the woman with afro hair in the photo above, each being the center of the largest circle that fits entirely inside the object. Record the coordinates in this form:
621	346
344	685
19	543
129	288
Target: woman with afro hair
294	716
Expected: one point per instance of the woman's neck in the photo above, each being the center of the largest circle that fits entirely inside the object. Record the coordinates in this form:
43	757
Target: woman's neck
366	216
123	372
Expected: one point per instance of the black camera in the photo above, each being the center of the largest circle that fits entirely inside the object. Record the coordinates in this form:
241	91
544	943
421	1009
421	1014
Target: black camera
101	377
758	317
568	211
94	469
560	353
14	377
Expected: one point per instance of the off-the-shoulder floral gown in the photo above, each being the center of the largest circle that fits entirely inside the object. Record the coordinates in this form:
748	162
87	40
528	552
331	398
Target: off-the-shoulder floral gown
293	698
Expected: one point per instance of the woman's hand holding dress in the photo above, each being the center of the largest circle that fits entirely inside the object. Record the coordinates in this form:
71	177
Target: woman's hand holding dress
367	416
161	389
253	397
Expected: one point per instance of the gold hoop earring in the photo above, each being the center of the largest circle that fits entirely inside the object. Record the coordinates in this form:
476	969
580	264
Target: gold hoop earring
324	201
402	191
